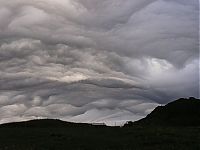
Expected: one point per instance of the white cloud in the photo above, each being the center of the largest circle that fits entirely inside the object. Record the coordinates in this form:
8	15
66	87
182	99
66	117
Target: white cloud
91	60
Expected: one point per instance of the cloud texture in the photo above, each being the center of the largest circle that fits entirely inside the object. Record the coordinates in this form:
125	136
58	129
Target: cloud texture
96	60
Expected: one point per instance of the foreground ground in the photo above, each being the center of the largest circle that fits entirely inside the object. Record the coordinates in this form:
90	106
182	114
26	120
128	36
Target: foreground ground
100	138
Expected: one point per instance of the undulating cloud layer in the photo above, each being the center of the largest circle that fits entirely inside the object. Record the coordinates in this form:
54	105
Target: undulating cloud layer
96	60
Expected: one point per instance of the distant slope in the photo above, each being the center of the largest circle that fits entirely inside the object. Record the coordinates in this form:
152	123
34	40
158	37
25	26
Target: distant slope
182	112
44	123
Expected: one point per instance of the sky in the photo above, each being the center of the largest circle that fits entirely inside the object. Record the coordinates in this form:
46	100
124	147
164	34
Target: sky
96	60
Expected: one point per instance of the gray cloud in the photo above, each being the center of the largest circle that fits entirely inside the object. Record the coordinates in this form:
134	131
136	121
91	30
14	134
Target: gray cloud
96	61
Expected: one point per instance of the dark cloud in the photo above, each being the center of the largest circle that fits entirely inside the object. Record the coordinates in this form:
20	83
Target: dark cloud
95	61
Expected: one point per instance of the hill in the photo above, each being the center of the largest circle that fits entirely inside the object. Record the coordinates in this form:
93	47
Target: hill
182	112
51	134
44	123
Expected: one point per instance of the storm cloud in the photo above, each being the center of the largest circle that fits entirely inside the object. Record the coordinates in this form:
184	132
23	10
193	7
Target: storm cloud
96	61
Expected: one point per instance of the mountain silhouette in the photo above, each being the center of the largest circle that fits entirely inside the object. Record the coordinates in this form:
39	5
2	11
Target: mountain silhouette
165	128
182	112
45	123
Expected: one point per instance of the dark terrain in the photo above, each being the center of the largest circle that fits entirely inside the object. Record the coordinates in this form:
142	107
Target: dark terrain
182	112
175	126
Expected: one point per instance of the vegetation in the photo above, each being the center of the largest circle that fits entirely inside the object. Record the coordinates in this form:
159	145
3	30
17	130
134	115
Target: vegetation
100	138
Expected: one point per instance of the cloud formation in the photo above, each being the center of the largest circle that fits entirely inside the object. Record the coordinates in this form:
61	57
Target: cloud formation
96	61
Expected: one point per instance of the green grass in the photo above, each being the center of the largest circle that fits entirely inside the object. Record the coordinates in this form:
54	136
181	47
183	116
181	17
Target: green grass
100	138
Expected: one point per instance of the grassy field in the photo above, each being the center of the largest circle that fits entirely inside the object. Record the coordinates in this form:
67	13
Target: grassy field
100	138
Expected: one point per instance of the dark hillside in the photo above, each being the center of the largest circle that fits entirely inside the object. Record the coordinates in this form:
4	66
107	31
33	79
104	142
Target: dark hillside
44	123
182	112
50	134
